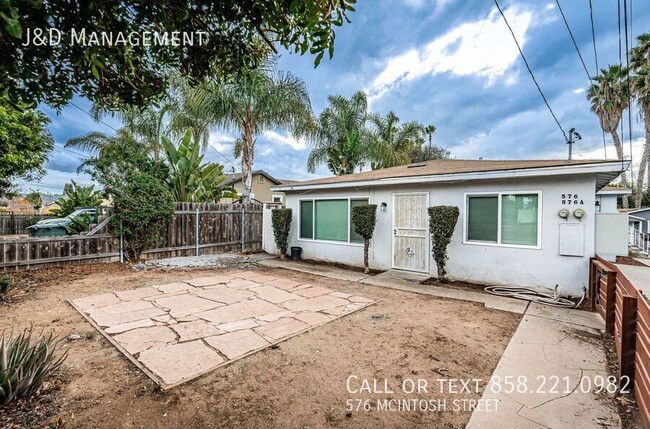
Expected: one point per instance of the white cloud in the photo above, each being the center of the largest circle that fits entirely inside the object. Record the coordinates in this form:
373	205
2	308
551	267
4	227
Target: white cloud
418	4
221	141
287	140
481	48
637	151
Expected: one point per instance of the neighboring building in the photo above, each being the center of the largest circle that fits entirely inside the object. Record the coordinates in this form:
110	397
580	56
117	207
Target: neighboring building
639	220
524	223
261	186
607	198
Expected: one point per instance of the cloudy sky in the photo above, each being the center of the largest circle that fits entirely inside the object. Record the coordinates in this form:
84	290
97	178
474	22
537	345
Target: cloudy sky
451	63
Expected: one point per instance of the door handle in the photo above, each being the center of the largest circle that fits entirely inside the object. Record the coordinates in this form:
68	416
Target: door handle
395	231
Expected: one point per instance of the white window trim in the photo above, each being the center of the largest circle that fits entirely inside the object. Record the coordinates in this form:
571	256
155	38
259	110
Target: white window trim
318	240
499	195
274	196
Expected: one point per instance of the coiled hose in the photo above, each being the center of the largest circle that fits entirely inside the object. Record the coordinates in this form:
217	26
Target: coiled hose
534	295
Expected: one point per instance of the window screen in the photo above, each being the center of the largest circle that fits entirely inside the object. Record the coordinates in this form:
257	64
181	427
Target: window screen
331	220
306	219
354	237
519	219
482	218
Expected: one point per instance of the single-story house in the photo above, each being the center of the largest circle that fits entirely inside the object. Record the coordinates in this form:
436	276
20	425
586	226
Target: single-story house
525	223
260	187
639	220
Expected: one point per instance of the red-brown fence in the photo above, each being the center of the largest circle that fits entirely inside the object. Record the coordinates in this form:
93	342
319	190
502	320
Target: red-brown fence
626	311
195	229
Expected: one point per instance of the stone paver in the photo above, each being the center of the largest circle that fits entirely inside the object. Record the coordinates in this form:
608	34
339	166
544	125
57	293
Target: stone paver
237	343
188	331
185	305
178	331
281	328
178	362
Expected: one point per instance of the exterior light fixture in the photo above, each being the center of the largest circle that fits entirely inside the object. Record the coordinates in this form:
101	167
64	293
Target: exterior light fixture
383	206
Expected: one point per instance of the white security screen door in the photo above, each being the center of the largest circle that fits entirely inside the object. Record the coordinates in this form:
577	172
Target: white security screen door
411	232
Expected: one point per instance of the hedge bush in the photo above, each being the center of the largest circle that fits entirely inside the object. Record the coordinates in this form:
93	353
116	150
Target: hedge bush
281	221
364	219
442	222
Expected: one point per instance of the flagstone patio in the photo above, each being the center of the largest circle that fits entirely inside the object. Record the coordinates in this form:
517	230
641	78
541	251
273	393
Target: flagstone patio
178	331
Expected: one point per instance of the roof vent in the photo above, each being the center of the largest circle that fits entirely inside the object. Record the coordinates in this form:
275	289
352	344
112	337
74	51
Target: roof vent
416	165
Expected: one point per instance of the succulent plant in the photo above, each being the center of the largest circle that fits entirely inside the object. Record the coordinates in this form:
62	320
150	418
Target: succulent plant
26	360
5	284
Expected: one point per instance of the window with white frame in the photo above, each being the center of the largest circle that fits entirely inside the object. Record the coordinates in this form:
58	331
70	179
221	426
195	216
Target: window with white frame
503	218
329	219
277	198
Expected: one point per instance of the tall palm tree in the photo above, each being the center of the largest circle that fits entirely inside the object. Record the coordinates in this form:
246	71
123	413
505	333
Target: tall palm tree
255	100
429	130
609	96
339	141
187	110
391	143
640	64
101	145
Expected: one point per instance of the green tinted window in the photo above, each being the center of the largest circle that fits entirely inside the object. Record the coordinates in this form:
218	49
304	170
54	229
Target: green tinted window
482	218
519	219
354	237
306	219
331	220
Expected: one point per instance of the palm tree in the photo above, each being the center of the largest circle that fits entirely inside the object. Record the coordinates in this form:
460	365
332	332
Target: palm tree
640	64
255	100
391	143
429	130
609	96
340	136
101	145
188	111
190	179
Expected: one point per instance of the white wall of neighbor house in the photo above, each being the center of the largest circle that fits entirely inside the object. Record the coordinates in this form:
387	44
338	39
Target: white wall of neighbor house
612	235
541	267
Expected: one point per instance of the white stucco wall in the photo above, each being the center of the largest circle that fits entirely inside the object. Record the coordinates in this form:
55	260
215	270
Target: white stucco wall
488	264
607	203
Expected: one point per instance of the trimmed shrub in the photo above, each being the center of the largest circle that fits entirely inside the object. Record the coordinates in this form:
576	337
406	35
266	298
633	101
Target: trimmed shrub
442	222
25	362
364	219
142	207
281	221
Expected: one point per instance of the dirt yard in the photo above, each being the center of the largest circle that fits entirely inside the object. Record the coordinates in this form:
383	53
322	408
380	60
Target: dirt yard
299	383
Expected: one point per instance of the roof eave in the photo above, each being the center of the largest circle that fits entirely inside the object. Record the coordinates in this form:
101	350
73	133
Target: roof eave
605	173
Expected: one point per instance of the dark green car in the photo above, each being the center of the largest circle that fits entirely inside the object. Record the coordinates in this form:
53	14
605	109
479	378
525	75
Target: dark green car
61	226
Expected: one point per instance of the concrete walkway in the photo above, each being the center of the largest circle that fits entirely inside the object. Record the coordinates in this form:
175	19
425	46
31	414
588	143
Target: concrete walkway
404	281
550	346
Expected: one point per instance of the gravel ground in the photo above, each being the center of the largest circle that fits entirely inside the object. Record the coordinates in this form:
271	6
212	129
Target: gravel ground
223	260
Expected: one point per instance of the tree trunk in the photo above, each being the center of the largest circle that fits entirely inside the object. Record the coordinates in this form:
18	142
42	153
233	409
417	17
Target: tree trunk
442	273
621	155
366	245
645	159
247	164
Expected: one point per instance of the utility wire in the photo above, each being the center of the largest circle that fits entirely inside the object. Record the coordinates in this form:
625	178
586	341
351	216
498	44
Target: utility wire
593	39
575	44
530	71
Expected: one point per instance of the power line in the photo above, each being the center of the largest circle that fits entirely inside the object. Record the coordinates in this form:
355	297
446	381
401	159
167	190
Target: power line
593	39
530	71
71	151
573	39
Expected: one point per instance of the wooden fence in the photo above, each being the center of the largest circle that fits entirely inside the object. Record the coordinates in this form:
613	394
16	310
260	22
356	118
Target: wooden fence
195	229
627	317
14	224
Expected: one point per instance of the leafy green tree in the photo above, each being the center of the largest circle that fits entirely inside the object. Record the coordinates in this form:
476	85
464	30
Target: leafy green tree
390	143
255	100
142	207
76	196
609	96
190	179
364	219
25	144
281	223
339	141
640	64
136	73
35	199
442	222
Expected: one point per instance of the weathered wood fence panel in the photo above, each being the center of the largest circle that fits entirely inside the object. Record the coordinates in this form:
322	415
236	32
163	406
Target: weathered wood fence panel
627	309
14	224
195	229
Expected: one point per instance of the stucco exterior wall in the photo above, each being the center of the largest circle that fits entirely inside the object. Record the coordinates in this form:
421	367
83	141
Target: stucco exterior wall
261	191
480	263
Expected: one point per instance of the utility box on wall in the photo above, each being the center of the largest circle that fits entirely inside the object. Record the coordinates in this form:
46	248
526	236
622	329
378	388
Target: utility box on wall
572	239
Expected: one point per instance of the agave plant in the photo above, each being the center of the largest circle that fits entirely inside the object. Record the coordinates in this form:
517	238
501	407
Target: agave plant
26	360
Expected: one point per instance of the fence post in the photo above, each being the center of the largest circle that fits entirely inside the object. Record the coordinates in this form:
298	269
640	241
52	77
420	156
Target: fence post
121	244
243	223
196	232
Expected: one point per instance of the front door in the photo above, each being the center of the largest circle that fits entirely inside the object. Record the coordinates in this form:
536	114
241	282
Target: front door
411	232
